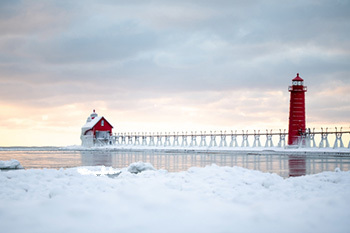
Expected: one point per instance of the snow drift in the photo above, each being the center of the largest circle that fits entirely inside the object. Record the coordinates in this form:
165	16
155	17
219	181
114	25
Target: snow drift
210	199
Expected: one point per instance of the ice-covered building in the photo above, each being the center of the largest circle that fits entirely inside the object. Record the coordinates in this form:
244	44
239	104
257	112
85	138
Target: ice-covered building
97	131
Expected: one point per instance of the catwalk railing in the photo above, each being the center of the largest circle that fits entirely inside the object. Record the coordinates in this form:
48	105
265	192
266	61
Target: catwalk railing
233	139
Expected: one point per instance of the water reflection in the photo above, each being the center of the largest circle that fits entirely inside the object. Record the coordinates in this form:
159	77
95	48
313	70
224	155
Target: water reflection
297	165
43	159
91	158
282	164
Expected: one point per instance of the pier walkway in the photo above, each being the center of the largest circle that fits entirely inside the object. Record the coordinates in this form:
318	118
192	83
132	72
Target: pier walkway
323	138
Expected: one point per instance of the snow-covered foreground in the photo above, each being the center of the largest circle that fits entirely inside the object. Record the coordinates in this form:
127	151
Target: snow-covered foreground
210	199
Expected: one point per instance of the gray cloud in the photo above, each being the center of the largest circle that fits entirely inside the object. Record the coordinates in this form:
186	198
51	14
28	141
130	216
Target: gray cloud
56	52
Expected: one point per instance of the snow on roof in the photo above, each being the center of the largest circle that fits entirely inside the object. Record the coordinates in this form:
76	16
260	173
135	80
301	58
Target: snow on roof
89	125
92	123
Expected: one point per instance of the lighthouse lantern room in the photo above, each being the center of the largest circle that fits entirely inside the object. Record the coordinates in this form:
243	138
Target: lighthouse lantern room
97	131
296	111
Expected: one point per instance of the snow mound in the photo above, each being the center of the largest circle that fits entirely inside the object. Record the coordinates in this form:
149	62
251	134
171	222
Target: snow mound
207	200
140	167
11	164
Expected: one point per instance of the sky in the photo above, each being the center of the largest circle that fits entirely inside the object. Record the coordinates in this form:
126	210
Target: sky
165	66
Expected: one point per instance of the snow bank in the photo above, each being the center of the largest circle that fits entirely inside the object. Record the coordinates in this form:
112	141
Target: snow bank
11	164
210	199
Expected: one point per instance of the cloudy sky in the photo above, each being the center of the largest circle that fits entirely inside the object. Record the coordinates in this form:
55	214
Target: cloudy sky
168	65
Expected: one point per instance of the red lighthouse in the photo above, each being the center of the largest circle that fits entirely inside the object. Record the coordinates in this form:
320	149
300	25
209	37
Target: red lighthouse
296	110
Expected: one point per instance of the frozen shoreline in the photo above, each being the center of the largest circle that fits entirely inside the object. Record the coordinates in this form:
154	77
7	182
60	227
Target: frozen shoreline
209	199
234	149
188	149
225	150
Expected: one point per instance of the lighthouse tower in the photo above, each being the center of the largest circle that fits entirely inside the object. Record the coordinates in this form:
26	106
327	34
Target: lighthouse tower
296	110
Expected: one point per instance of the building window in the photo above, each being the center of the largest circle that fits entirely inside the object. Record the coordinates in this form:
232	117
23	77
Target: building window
102	123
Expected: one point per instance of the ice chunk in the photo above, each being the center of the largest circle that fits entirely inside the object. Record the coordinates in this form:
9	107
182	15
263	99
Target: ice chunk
11	164
140	167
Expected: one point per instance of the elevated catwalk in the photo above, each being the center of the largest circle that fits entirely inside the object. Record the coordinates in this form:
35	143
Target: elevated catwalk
245	139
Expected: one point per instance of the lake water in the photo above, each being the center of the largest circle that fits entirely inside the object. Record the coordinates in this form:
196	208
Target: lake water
282	164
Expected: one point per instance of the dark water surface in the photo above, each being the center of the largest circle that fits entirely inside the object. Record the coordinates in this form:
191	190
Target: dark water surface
285	165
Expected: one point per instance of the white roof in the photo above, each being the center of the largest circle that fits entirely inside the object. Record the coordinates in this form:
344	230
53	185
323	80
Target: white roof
89	125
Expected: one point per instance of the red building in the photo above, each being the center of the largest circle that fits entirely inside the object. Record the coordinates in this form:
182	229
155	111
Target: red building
296	110
97	131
